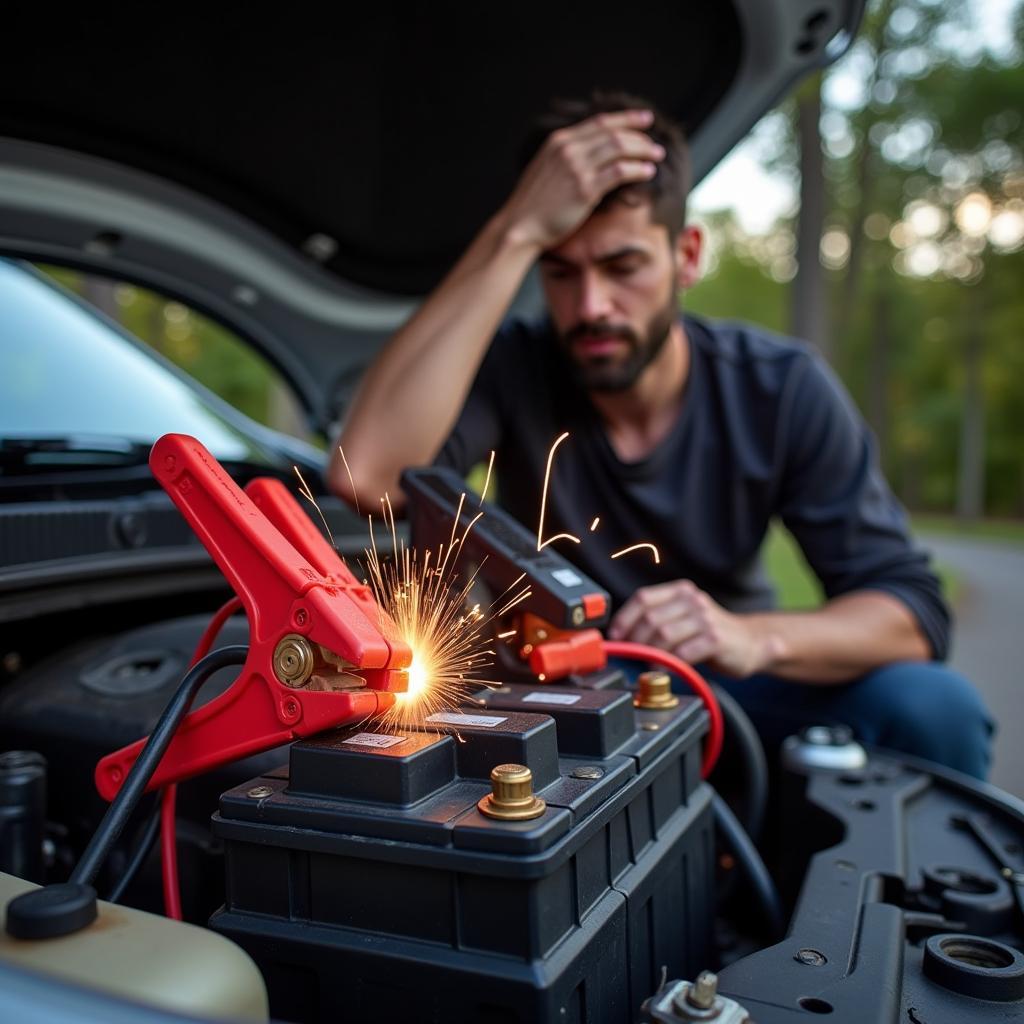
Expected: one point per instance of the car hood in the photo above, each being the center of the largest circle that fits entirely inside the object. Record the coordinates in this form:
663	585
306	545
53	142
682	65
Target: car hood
305	181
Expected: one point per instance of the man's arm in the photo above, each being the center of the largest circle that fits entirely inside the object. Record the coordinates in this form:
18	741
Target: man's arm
884	604
848	636
410	397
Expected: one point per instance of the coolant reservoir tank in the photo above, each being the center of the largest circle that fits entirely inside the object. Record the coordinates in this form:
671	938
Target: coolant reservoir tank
143	958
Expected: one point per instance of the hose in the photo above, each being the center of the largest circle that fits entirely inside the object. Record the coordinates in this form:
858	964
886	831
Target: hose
122	806
749	859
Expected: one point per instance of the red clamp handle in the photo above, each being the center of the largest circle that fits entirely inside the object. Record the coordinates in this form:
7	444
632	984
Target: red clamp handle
282	594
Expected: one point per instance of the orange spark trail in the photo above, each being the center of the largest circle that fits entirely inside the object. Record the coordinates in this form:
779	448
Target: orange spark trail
308	495
544	501
350	480
487	480
635	547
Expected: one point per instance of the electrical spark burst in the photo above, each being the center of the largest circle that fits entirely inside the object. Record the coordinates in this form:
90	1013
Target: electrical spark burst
426	604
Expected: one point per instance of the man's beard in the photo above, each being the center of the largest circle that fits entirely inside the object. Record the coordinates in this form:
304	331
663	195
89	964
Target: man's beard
611	374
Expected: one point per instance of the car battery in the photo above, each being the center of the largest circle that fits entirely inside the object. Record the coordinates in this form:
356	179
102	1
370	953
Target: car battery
368	884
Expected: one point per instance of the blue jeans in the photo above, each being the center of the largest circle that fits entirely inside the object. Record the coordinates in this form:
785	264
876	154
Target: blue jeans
920	708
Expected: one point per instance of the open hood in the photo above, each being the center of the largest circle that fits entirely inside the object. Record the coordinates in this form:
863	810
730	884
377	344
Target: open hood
304	180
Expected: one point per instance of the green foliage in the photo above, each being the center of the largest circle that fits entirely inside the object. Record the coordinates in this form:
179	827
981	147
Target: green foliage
916	293
796	584
203	348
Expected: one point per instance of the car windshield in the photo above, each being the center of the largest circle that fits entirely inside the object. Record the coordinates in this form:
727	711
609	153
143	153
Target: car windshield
65	373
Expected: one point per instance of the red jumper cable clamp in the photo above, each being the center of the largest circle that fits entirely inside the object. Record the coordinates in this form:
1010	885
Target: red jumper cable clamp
318	653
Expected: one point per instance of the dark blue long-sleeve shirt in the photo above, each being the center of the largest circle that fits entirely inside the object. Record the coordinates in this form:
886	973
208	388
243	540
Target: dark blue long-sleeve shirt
765	430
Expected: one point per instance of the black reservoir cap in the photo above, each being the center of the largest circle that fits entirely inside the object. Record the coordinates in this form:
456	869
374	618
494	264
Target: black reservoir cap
491	738
591	723
398	768
52	911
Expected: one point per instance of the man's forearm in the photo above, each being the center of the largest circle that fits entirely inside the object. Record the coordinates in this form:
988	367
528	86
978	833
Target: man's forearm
847	637
417	385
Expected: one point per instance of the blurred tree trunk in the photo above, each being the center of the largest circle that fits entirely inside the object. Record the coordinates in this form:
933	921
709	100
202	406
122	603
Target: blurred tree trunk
807	294
970	498
875	37
878	370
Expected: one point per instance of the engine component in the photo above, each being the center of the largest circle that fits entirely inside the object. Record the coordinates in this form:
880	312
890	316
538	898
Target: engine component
367	859
683	1002
141	957
912	905
22	813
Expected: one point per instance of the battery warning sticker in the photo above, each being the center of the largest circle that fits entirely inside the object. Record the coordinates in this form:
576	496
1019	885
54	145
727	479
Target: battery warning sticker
539	697
452	719
374	739
566	577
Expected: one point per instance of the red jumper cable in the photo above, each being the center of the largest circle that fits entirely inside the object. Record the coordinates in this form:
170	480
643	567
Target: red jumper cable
320	654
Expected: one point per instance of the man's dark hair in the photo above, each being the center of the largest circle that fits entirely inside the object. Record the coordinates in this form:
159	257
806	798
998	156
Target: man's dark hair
667	191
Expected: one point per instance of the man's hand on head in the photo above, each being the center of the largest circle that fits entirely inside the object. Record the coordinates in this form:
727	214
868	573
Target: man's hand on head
685	621
575	169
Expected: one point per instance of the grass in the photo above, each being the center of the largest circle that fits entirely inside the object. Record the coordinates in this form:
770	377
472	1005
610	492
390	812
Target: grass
798	587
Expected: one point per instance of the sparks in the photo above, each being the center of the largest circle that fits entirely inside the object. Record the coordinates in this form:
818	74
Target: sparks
426	605
487	479
350	480
308	495
636	547
541	545
593	525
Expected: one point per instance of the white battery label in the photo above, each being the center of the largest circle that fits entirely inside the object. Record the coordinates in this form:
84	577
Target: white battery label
453	719
566	577
374	739
551	698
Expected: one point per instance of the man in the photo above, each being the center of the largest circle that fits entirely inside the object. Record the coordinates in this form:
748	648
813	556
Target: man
683	433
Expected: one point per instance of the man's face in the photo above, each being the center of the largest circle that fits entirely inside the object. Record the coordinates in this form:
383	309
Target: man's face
611	290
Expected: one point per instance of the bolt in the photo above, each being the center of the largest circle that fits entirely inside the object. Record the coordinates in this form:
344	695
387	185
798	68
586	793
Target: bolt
293	660
511	797
811	958
650	727
587	771
291	706
654	692
704	990
579	616
698	999
301	617
1017	877
259	792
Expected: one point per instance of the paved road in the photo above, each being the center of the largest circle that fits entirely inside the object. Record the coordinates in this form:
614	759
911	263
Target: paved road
988	642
